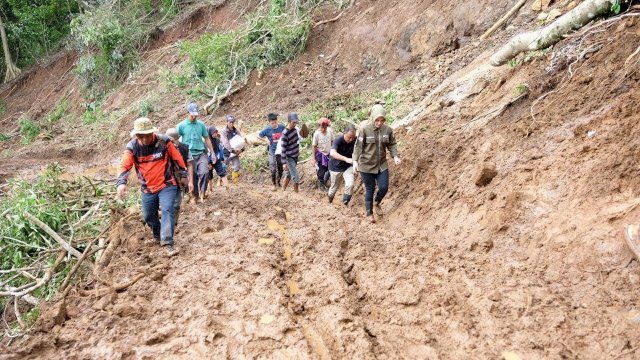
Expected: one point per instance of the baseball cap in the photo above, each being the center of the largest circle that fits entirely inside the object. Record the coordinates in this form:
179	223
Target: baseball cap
231	118
192	109
272	116
211	130
324	121
293	117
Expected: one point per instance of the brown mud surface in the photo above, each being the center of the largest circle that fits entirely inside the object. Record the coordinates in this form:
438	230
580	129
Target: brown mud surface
502	233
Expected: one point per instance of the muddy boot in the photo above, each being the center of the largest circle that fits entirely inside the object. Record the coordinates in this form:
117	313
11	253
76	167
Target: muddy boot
235	176
286	183
279	181
368	205
378	209
170	250
273	181
345	199
295	187
330	197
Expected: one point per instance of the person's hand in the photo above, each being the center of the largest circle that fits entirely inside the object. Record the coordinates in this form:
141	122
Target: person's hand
315	165
122	191
190	186
285	167
349	161
397	160
356	168
184	181
214	160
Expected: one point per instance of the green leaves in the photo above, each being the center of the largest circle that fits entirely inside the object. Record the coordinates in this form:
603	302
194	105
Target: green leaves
615	6
29	130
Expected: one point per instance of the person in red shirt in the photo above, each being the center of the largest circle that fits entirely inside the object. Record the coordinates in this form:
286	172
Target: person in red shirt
156	161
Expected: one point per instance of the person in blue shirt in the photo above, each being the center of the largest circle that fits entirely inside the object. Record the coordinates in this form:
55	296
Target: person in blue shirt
194	134
273	132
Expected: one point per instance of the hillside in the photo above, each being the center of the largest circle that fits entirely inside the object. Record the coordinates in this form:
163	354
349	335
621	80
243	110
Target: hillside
528	262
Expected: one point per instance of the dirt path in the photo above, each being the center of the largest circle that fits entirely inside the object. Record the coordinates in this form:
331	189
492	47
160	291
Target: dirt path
288	276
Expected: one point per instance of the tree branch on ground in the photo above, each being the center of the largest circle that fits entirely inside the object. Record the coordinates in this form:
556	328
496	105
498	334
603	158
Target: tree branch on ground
581	15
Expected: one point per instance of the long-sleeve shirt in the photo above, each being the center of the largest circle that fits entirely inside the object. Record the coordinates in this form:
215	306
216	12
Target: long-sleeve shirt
154	164
290	145
371	148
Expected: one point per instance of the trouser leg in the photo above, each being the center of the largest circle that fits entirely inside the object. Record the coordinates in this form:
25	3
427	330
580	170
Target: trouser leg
150	206
166	198
348	184
293	170
202	173
369	181
383	185
336	179
177	203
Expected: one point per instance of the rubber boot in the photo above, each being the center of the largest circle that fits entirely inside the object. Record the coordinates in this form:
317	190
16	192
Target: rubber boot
286	183
235	176
295	187
273	181
368	205
279	181
345	199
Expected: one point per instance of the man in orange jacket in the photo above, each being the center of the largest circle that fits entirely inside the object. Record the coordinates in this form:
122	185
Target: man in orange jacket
155	160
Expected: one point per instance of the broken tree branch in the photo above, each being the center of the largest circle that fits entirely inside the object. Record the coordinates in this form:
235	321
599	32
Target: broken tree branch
331	20
53	234
502	20
582	14
44	280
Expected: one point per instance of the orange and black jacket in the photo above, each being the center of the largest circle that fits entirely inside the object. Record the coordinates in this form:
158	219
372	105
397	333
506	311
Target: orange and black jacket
154	164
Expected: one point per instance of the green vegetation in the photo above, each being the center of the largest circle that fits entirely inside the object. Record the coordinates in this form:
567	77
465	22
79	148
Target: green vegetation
520	89
219	61
145	107
36	28
75	209
58	112
29	130
4	137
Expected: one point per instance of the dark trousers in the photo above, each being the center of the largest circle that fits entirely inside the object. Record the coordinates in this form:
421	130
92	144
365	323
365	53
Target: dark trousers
323	171
201	174
165	201
370	180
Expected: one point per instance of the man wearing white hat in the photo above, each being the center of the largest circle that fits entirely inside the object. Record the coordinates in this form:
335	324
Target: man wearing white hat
154	160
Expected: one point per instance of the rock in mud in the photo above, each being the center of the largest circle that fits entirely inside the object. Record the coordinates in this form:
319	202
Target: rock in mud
486	172
51	315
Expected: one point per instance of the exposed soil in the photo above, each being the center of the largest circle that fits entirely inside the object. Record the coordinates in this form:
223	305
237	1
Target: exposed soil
503	231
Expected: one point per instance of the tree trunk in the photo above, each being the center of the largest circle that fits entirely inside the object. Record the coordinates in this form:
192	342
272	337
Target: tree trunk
552	33
12	69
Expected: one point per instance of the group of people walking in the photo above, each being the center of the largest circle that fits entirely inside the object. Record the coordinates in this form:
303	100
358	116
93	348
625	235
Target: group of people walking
184	159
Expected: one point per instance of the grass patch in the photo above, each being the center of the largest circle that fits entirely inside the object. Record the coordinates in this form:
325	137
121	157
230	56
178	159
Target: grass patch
29	130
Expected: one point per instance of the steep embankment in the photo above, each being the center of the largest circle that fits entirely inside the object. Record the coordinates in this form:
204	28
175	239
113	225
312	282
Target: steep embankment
528	258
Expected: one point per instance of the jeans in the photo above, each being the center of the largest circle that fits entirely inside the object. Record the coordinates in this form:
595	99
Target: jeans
201	174
165	201
337	178
275	165
369	180
292	163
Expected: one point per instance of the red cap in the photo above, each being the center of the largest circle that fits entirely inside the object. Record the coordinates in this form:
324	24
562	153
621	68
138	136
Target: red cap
324	121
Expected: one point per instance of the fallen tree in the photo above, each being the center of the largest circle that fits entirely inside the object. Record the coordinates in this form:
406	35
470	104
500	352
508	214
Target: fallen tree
551	34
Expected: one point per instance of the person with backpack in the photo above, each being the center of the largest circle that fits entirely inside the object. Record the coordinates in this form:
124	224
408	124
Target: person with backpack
341	164
194	134
369	158
231	155
188	159
320	147
216	160
273	132
153	159
290	145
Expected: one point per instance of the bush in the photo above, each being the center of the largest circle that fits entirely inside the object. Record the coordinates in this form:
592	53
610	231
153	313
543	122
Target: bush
58	112
28	130
220	60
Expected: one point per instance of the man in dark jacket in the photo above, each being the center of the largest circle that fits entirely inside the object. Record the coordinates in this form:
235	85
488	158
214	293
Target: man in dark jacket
273	132
370	159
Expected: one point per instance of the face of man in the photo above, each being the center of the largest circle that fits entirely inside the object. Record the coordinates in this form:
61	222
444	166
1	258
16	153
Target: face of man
291	125
349	136
145	139
378	122
193	118
323	128
230	125
274	123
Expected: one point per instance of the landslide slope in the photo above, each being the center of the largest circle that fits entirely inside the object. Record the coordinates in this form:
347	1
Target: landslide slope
467	263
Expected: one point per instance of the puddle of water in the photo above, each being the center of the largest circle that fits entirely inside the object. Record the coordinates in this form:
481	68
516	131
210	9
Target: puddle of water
265	241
